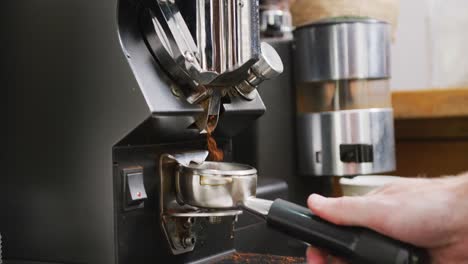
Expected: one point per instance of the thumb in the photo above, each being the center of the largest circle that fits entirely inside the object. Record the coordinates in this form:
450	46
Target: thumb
350	211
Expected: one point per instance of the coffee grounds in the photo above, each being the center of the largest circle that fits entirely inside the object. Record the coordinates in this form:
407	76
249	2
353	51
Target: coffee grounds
252	258
216	154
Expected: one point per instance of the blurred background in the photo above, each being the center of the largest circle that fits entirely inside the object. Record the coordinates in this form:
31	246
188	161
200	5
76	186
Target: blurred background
429	78
429	50
429	37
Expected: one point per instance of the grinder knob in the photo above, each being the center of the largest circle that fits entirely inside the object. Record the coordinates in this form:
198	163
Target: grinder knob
268	67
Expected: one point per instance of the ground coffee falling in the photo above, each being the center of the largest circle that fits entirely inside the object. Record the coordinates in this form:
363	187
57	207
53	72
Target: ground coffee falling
216	154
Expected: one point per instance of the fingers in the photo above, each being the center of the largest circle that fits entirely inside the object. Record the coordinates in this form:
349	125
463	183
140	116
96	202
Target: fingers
315	256
353	211
333	260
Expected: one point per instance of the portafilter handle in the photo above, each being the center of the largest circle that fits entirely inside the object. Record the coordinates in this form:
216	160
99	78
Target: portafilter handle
354	244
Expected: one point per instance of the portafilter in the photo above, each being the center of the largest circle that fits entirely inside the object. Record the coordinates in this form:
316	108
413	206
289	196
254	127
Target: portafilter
222	185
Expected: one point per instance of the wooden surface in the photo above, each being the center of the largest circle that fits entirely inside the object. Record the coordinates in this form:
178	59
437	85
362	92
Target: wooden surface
431	158
430	103
432	128
307	11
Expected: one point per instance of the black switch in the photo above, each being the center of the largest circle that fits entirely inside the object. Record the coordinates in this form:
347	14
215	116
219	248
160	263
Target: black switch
135	193
357	153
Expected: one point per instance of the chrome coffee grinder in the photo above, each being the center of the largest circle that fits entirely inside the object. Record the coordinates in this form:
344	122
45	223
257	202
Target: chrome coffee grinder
198	66
121	126
193	188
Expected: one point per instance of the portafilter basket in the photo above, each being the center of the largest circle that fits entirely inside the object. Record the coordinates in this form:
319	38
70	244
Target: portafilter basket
215	185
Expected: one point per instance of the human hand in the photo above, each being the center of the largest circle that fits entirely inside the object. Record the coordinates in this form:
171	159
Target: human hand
428	213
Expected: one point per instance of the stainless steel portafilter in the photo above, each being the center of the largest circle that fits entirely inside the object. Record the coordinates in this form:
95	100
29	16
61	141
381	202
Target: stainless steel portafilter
221	185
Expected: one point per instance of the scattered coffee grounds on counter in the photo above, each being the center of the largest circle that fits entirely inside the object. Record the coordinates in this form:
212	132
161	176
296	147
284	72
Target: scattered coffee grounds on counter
251	258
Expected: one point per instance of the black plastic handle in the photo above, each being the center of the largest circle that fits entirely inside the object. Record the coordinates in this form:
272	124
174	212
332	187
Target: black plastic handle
354	244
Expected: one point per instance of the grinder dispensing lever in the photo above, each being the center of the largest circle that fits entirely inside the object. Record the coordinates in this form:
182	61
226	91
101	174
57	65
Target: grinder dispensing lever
355	244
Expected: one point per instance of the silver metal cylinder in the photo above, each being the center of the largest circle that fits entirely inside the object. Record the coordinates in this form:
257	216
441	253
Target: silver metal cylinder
227	34
344	114
338	49
344	143
275	22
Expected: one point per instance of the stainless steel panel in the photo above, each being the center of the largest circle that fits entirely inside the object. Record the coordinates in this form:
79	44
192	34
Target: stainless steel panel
319	136
343	49
222	45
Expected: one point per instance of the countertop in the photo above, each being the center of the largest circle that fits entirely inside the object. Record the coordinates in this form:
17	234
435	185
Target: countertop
434	103
431	129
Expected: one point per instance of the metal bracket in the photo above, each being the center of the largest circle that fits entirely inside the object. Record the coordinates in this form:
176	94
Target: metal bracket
179	220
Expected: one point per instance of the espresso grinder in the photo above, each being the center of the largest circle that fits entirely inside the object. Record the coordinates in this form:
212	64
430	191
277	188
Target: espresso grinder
128	178
198	64
208	62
